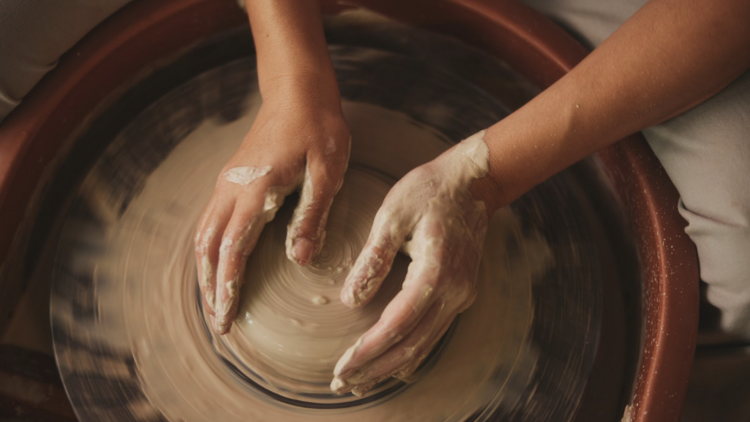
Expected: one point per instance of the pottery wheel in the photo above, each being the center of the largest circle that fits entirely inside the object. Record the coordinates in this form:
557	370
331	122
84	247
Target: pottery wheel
131	337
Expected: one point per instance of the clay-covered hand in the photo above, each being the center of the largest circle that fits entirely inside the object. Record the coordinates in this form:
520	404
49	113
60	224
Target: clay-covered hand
430	215
292	143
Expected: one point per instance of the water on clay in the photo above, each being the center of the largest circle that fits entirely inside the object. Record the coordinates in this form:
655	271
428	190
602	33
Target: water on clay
131	337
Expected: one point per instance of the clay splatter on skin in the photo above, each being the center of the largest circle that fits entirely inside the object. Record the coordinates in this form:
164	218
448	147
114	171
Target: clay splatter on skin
468	161
246	175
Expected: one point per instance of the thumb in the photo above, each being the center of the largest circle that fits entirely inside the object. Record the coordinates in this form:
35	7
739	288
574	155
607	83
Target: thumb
306	231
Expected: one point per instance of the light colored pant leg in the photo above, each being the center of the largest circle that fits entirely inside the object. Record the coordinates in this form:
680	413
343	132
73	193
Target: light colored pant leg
35	33
706	152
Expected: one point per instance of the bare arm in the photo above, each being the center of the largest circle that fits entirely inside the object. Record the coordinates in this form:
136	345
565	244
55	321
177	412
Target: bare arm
292	52
669	57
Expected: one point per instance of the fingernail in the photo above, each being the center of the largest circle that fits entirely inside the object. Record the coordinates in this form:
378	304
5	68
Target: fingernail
303	250
210	301
219	327
337	385
346	296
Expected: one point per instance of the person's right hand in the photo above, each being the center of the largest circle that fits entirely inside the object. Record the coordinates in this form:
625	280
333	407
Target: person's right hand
435	217
297	139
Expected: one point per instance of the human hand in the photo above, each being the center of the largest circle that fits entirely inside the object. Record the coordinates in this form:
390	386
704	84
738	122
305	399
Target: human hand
433	217
292	142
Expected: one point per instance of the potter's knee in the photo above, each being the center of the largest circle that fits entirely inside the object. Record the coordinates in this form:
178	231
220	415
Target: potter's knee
724	255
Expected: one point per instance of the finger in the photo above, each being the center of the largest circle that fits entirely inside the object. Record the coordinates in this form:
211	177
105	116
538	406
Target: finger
306	231
207	241
410	361
237	243
425	347
374	262
402	356
408	306
400	316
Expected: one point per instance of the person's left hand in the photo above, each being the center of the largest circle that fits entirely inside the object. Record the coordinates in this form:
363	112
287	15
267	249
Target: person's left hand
296	139
432	216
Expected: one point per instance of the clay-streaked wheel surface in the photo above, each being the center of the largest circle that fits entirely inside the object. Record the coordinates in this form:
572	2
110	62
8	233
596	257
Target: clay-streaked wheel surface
125	277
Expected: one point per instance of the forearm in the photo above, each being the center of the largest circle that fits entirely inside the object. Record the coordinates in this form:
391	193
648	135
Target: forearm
293	58
669	57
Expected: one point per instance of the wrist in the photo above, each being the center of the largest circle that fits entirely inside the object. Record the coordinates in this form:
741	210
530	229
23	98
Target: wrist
485	189
294	90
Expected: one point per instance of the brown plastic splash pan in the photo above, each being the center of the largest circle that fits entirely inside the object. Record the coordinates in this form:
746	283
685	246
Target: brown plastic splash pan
145	32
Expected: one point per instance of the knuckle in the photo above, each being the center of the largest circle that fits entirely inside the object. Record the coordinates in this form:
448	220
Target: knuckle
229	244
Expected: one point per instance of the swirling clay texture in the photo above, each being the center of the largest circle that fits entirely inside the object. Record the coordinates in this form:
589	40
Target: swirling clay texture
294	326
